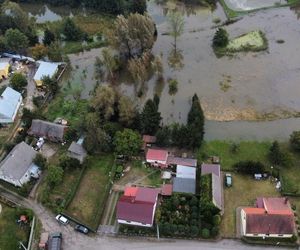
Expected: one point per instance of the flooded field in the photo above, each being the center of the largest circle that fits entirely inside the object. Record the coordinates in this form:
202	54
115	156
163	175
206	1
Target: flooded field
244	5
259	86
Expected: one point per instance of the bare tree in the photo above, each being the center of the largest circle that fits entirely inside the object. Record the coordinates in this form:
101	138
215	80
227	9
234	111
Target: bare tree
176	24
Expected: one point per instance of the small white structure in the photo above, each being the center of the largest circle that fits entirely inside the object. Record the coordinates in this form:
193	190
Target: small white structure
17	168
45	69
10	102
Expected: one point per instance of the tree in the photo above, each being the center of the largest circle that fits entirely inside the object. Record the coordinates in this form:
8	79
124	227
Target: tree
55	52
295	140
195	123
70	31
15	40
40	161
55	175
205	233
220	38
176	23
104	101
18	81
39	51
127	142
249	167
150	118
50	84
66	162
157	66
138	69
132	36
109	61
163	136
49	37
127	110
138	6
275	153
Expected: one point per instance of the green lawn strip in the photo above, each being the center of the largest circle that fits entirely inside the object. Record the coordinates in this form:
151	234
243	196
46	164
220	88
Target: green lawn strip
247	150
243	193
10	232
230	13
89	201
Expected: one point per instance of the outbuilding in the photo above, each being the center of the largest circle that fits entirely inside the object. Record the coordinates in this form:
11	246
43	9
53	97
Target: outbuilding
10	102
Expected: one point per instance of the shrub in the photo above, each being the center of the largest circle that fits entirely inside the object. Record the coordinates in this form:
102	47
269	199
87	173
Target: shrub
220	38
40	161
216	220
205	233
249	167
214	231
194	231
173	86
18	81
295	140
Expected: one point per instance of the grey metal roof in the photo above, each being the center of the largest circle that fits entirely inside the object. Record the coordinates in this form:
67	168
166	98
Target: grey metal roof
50	130
77	149
184	185
10	101
45	69
18	161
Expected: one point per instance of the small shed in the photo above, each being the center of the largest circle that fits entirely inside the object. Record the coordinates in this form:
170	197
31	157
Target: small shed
77	151
184	185
45	69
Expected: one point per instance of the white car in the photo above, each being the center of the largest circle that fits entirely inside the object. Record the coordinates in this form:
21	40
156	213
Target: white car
61	219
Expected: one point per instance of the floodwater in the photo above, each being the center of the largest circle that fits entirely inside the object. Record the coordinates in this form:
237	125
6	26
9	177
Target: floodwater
263	85
244	5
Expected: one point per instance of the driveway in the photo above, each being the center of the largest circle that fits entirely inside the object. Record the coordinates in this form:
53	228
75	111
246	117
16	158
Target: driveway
75	241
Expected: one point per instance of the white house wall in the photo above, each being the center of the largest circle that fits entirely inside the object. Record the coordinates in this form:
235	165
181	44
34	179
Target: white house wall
134	223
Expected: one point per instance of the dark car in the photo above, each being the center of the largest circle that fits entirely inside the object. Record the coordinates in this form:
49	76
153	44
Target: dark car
81	229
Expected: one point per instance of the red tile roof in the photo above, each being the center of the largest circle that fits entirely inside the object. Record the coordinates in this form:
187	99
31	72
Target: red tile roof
182	161
167	189
130	210
137	204
277	204
262	223
157	154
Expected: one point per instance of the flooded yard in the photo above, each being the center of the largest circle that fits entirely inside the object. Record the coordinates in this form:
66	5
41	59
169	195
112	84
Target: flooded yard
241	90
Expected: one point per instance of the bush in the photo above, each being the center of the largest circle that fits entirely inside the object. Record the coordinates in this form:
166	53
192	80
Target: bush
220	38
249	167
66	162
18	81
173	86
214	231
40	161
295	140
216	220
205	233
194	231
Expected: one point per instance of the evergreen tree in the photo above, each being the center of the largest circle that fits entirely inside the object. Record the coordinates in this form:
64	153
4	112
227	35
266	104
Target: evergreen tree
150	118
220	38
195	123
49	37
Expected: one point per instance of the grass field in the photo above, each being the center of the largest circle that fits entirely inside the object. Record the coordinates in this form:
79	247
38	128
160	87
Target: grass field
89	200
10	232
246	150
253	40
243	193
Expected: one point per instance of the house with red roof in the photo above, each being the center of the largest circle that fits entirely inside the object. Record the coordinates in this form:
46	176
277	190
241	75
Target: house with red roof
137	206
272	217
157	157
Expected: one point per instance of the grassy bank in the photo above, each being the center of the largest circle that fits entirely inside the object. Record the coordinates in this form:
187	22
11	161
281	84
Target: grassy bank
245	150
89	199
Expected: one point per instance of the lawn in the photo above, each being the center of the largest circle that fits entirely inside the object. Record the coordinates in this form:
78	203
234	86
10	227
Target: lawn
10	232
252	41
246	150
243	193
89	201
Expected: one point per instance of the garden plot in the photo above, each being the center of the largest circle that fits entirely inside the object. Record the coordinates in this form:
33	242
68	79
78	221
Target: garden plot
252	41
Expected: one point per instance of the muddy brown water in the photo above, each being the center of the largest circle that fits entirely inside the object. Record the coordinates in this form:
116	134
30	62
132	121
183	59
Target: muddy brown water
258	85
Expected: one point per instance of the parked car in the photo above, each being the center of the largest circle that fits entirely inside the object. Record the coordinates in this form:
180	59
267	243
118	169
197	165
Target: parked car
62	219
228	180
81	229
39	144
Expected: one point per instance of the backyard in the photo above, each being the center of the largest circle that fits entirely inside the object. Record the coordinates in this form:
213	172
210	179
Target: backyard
10	232
89	200
243	193
231	153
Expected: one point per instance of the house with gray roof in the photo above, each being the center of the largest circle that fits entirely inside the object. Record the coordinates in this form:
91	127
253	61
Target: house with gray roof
216	181
48	130
77	151
17	168
45	69
10	102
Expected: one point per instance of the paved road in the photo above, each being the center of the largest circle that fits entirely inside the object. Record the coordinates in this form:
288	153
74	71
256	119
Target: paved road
76	241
